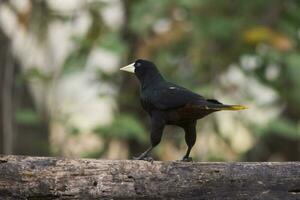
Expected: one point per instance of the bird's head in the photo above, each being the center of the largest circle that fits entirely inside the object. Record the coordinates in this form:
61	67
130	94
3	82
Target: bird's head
143	69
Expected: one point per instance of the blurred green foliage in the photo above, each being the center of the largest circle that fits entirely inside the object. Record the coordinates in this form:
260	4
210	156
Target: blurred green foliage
28	117
123	127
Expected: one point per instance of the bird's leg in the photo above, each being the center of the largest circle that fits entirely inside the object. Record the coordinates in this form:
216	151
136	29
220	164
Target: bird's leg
190	139
186	158
144	156
157	127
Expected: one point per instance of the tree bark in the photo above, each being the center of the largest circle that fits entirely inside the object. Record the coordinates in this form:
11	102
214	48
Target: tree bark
61	178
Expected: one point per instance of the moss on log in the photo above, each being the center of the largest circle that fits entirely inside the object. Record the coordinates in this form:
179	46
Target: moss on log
24	177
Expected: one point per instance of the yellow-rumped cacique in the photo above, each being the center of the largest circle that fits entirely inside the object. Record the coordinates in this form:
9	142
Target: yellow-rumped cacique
170	104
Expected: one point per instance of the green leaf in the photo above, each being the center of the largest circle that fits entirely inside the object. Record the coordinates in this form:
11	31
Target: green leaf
285	127
74	131
27	116
35	73
124	127
113	42
75	62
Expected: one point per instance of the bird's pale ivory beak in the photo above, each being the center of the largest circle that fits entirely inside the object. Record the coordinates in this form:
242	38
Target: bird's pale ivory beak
128	68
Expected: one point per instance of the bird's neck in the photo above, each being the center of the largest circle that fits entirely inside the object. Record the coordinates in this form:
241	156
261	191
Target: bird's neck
151	80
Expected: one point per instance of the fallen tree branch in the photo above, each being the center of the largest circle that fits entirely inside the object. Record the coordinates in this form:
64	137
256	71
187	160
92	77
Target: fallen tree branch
61	178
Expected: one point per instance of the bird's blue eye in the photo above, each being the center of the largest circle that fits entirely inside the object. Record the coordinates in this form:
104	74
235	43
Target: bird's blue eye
138	64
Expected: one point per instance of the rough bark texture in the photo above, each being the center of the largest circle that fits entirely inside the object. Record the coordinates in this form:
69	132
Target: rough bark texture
61	178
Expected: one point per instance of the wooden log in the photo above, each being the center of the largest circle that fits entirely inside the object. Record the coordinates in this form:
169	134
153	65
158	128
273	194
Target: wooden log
24	177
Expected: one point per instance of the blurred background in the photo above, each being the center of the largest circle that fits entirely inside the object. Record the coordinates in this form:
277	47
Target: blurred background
62	93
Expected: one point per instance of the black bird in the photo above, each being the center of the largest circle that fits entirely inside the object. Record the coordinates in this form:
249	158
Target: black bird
171	104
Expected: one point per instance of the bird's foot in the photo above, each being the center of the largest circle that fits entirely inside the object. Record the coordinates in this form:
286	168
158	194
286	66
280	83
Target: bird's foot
187	159
145	158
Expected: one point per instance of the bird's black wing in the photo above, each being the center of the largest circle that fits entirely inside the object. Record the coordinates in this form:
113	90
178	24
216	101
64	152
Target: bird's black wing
172	96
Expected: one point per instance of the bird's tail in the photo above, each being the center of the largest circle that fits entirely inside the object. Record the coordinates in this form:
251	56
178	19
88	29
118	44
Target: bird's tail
234	107
216	105
228	107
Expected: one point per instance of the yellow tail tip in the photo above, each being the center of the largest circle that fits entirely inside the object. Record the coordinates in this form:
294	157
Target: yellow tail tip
236	107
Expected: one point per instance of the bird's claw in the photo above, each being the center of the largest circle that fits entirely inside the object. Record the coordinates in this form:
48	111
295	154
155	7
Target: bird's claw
146	158
149	159
187	159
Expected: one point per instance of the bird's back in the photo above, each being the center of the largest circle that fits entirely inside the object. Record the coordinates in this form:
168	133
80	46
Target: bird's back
166	95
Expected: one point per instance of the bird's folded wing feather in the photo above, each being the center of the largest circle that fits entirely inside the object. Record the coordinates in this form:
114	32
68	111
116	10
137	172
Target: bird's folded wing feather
173	97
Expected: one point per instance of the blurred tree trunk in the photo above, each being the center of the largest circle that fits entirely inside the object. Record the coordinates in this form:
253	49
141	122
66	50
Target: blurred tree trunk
15	97
128	100
128	83
7	72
